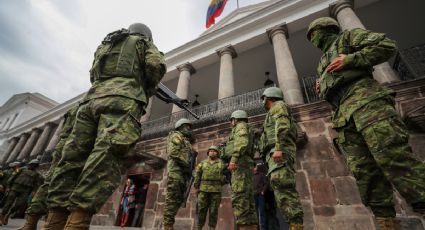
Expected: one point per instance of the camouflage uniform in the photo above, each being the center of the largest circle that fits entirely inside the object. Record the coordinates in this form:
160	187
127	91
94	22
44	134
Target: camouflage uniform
370	132
280	134
240	150
20	190
38	205
178	167
125	72
209	179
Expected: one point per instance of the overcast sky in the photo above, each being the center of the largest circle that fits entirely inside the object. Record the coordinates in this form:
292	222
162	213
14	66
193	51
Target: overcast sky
47	46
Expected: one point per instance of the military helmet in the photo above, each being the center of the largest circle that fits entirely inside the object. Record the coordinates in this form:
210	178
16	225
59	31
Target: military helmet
322	23
14	164
239	114
140	28
182	122
215	148
34	162
272	92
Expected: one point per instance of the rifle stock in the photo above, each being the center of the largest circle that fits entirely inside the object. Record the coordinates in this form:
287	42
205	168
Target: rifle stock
168	96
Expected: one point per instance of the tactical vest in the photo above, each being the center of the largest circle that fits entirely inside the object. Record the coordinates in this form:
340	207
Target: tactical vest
184	149
117	58
26	178
333	86
249	151
212	172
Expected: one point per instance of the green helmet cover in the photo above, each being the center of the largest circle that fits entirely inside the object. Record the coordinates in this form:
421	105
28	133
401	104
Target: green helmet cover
239	114
34	162
215	148
273	92
181	122
140	28
323	22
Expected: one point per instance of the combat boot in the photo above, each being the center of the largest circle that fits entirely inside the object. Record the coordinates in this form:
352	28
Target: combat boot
31	221
56	219
79	219
210	228
388	223
296	227
168	227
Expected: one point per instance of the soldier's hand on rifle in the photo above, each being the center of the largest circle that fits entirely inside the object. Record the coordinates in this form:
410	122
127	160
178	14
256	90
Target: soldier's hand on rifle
336	64
232	167
277	156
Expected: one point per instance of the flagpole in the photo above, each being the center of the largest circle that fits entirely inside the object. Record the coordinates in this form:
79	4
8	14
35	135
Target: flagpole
237	3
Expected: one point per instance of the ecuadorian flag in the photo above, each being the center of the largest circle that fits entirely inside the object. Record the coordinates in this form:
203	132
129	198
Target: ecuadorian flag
214	10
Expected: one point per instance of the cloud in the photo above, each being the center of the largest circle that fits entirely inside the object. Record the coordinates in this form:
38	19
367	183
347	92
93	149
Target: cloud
47	46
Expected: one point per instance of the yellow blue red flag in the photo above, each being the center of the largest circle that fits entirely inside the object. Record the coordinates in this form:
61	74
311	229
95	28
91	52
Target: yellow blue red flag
214	10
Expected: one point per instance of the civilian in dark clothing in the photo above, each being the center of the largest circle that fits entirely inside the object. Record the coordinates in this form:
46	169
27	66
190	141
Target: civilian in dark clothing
260	186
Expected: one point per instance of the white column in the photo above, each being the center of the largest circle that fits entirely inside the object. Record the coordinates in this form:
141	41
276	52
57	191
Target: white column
347	19
12	144
183	86
287	75
22	140
147	115
35	133
42	141
55	138
226	85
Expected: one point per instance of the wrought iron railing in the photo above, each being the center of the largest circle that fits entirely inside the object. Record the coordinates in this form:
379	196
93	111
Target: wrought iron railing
211	113
410	63
309	85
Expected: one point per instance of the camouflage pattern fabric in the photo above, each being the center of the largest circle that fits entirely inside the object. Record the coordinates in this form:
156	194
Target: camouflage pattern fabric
178	167
105	131
209	180
375	142
280	133
38	205
240	149
20	190
208	201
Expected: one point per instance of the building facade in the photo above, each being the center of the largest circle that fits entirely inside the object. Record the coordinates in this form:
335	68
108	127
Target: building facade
227	66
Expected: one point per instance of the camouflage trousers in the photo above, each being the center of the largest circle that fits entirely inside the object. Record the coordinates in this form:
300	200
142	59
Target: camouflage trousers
15	200
173	199
105	131
208	201
243	197
38	204
282	181
379	156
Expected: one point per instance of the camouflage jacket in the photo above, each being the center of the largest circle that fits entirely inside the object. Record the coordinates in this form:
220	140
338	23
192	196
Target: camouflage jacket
240	145
131	68
280	134
178	153
352	87
27	180
209	175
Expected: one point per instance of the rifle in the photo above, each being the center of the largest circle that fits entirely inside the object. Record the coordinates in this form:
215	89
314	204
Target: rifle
189	183
168	96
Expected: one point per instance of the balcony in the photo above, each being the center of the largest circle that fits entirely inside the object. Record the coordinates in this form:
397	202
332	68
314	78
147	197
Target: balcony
409	64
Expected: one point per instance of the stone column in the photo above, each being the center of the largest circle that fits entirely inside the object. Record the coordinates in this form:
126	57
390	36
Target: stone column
42	141
226	85
183	85
22	140
12	144
26	150
147	115
347	18
55	137
287	75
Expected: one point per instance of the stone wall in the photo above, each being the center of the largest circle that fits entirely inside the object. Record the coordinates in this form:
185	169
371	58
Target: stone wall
328	191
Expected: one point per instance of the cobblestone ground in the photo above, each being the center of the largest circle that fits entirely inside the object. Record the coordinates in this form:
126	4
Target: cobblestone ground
16	223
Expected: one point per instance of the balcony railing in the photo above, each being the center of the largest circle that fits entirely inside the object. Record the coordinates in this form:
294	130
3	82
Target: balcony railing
410	63
211	113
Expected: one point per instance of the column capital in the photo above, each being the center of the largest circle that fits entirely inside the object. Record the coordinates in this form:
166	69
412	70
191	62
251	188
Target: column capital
279	29
51	123
186	67
336	7
227	49
36	130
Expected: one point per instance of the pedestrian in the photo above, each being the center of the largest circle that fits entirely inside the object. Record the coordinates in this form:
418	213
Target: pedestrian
260	186
127	201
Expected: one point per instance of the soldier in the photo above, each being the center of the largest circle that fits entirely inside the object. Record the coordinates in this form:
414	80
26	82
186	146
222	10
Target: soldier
126	70
179	150
19	191
278	144
38	206
370	132
9	176
208	182
239	152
